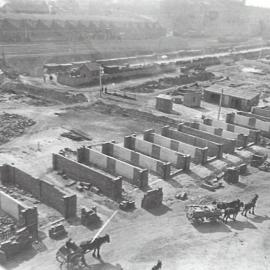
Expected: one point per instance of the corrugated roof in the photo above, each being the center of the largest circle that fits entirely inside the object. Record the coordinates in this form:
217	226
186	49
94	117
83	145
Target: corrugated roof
242	93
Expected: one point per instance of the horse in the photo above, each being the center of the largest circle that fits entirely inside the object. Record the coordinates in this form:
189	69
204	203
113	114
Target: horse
157	266
225	205
232	212
94	245
250	206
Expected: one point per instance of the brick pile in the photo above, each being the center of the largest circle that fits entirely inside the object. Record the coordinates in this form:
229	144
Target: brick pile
13	125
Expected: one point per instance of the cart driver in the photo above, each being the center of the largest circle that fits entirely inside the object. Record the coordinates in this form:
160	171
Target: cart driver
70	245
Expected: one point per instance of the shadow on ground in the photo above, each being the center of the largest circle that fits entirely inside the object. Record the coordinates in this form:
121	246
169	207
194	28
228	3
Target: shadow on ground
24	256
159	211
102	265
241	225
212	227
259	219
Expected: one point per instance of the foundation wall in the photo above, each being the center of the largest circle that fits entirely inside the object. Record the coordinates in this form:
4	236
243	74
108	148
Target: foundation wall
110	186
198	155
195	129
137	159
214	149
132	174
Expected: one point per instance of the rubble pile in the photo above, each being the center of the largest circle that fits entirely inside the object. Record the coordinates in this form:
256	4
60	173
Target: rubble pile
13	125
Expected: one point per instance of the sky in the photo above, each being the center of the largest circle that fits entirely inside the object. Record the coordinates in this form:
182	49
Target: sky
261	3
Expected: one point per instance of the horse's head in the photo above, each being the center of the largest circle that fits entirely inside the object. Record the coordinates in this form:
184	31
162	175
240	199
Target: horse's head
256	196
107	238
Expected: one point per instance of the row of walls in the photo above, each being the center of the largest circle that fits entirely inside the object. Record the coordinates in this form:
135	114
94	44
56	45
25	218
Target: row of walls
47	193
214	149
132	174
194	129
250	121
253	135
110	186
179	160
241	139
198	155
158	167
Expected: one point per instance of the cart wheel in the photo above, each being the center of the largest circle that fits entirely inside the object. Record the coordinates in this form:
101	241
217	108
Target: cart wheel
64	266
60	259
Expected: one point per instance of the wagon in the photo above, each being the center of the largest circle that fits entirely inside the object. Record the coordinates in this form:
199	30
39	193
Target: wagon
203	213
70	259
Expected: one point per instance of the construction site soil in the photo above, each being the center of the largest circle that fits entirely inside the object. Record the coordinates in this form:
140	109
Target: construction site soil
32	132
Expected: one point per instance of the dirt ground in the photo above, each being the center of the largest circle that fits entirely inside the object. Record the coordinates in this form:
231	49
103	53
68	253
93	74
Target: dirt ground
140	238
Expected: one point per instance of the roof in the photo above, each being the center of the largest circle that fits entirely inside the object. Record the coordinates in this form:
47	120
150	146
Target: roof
242	93
91	66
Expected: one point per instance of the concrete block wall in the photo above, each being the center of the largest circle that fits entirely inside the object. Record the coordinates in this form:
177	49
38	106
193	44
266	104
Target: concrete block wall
179	160
132	174
47	193
56	198
261	111
109	185
249	122
198	155
26	216
253	135
214	149
196	130
158	167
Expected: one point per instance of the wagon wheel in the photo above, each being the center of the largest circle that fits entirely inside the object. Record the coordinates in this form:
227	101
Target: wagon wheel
59	258
76	261
189	216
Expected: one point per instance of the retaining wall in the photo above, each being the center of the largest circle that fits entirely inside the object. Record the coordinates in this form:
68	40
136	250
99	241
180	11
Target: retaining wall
26	216
198	155
47	193
253	135
250	122
156	166
214	149
179	160
110	186
132	174
195	130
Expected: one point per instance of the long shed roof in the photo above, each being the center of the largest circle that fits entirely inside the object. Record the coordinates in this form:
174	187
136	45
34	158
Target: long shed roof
242	93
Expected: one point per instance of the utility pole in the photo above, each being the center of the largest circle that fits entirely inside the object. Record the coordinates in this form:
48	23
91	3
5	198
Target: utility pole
220	104
101	72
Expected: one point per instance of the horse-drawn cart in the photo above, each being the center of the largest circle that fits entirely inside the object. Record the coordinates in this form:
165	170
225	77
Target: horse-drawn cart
201	213
70	259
